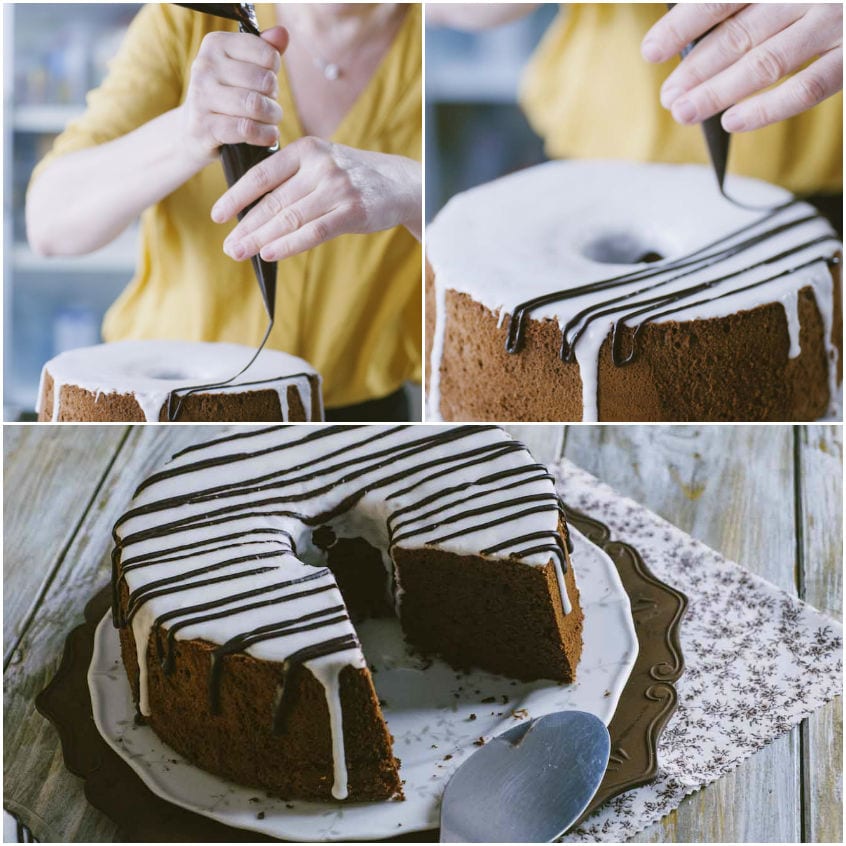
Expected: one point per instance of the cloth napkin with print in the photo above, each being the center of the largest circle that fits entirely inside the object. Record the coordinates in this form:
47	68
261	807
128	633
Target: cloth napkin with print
757	660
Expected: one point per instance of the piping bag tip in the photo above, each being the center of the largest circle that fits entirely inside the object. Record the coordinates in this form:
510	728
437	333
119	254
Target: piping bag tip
717	140
266	275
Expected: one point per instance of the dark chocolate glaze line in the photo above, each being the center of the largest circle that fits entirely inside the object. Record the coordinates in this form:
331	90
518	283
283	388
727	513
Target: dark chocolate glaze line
682	298
711	254
181	394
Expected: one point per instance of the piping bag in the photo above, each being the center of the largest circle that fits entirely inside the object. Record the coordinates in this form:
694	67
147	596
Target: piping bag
237	159
717	141
716	138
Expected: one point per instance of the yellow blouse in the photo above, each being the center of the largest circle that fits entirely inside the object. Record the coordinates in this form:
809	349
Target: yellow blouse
588	93
351	307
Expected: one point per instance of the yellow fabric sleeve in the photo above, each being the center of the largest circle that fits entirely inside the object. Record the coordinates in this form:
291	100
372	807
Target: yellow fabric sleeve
351	307
588	93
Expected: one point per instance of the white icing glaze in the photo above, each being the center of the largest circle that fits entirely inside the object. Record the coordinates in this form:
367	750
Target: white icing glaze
168	534
541	230
151	370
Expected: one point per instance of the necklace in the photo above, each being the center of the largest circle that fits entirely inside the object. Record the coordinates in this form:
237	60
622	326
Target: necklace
332	70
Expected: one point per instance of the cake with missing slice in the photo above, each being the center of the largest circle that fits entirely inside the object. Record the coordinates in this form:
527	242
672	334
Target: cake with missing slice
240	567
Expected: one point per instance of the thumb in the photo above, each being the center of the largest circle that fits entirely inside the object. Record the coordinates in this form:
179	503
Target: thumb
276	36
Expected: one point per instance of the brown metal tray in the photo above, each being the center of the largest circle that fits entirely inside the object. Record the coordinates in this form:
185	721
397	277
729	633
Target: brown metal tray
112	787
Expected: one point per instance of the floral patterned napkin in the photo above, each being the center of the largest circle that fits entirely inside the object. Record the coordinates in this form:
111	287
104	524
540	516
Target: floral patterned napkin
757	660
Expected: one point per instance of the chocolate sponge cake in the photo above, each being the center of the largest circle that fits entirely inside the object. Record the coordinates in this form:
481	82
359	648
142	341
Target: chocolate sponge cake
621	291
236	594
147	380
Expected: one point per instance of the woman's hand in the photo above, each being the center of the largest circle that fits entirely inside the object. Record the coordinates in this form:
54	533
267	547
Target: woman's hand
752	47
312	191
232	92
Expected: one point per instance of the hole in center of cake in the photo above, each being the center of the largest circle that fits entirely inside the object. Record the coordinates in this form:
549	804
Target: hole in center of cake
622	248
170	374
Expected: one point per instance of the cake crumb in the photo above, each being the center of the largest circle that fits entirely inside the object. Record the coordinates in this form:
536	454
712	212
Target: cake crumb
447	757
520	714
471	718
434	746
479	742
260	815
607	693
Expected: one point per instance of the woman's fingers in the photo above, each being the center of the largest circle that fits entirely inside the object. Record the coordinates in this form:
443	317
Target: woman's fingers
273	216
761	67
308	236
242	47
682	24
730	41
224	129
802	91
312	191
289	219
211	75
256	182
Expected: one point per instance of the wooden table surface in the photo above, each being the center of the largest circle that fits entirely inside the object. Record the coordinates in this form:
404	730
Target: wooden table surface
768	497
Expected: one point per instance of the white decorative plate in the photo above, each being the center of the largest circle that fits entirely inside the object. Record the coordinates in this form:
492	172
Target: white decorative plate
434	712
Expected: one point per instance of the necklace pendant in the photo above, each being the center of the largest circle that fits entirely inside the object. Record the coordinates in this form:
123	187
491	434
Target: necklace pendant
331	71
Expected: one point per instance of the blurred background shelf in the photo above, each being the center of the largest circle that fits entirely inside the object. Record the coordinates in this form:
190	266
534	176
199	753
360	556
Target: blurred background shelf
53	54
475	130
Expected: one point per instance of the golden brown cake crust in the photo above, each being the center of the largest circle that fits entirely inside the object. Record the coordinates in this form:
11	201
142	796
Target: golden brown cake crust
79	405
723	369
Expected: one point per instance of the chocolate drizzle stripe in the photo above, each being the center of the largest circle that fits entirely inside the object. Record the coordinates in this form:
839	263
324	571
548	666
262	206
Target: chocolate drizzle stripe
682	297
480	483
231	610
286	628
712	254
238	457
505	519
151	561
176	584
275	481
490	452
473	497
291	664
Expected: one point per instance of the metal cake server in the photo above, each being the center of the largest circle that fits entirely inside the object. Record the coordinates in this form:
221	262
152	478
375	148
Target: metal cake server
529	784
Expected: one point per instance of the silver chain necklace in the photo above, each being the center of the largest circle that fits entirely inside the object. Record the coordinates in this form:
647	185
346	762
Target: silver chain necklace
331	70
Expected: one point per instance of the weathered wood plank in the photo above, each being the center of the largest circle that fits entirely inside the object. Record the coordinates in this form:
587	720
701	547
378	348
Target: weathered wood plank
820	461
35	483
732	488
545	441
47	797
